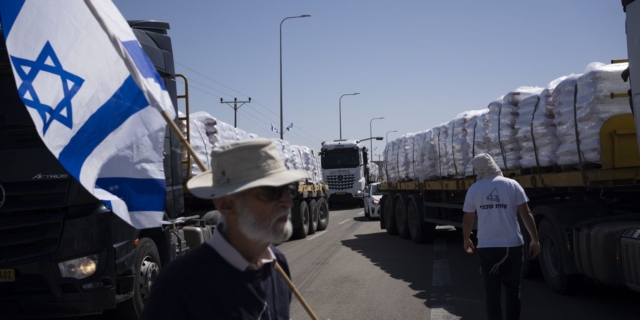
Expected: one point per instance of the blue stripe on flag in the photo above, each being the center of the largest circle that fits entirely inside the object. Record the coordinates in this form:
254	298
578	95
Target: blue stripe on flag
123	104
108	204
9	9
144	65
138	194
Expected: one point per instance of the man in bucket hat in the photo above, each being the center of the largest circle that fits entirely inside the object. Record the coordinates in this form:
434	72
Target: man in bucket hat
233	276
497	201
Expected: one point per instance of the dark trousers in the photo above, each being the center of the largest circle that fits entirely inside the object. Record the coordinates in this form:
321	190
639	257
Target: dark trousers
501	267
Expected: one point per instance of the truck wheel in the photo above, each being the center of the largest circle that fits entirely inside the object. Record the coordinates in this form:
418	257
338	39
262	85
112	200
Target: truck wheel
323	214
401	217
313	216
389	217
551	262
303	212
147	267
421	232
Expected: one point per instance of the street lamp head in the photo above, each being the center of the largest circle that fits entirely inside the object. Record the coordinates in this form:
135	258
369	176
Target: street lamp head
379	138
357	93
305	16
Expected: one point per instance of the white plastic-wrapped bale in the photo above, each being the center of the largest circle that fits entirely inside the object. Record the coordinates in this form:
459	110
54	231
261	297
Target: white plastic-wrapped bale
441	135
536	130
481	139
429	156
199	142
374	175
476	136
318	160
461	142
418	145
563	101
391	161
288	159
405	154
508	153
593	107
297	158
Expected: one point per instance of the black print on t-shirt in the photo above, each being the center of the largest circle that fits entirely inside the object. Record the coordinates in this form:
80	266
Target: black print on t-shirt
493	196
493	206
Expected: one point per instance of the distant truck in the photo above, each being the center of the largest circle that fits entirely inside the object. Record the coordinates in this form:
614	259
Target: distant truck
344	170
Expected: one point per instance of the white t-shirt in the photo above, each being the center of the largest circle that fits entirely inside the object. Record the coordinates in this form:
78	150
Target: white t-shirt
496	200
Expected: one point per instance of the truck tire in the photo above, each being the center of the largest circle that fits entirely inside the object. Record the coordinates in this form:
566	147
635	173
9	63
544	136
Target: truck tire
323	214
313	216
421	232
551	262
401	216
303	212
380	211
147	267
389	217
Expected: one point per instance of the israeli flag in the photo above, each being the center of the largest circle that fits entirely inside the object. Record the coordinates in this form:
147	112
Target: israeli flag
290	127
274	129
92	93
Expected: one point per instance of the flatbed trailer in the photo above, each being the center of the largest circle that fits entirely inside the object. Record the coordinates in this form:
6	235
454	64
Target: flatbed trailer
588	218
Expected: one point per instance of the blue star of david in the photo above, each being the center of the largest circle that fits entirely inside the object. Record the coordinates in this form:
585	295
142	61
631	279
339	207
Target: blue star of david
49	114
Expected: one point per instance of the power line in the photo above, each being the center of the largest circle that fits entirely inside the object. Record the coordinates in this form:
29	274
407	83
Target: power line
290	133
257	102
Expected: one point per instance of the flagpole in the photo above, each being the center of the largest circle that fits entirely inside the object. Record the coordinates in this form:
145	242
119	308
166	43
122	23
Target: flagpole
193	154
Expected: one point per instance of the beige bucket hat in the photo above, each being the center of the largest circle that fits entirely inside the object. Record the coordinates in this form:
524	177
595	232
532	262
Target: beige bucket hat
243	165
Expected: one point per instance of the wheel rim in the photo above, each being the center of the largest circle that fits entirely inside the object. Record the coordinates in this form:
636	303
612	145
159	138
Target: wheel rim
550	253
149	271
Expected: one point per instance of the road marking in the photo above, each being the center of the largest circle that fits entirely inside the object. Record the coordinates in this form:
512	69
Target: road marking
441	273
443	312
345	221
316	235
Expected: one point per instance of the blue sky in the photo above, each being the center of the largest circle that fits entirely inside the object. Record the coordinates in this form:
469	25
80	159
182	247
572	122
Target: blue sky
418	63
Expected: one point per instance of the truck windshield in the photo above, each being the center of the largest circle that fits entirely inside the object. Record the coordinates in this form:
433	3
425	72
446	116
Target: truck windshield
344	158
375	191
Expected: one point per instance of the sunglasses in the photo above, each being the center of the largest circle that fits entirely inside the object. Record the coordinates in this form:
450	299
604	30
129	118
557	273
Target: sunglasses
276	193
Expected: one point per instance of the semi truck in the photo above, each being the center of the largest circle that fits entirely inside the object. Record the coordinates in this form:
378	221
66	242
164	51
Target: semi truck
345	168
48	222
588	217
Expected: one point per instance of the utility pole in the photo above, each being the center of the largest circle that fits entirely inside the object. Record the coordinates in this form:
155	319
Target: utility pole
235	108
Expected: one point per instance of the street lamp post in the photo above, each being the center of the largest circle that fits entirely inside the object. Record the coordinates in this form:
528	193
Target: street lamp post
371	135
281	124
340	108
387	136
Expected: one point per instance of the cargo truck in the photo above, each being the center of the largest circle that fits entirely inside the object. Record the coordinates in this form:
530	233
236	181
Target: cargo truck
48	221
588	218
345	170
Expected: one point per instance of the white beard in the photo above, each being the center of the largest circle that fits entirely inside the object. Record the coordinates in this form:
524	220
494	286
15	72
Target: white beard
275	232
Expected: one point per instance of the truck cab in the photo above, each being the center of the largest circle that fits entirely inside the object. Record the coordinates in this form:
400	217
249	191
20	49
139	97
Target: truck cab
344	170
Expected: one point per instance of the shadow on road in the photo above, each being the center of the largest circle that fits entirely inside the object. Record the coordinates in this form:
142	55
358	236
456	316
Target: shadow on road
400	258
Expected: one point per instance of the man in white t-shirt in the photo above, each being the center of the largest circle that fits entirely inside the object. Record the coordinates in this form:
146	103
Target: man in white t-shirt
497	201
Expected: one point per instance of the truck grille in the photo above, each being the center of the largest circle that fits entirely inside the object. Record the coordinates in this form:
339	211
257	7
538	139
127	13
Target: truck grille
631	257
341	182
31	219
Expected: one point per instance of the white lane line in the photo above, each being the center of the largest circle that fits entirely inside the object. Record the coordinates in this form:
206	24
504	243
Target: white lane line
316	235
361	213
441	273
345	221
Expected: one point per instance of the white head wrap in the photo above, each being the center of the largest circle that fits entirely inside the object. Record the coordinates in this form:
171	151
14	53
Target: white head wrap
485	167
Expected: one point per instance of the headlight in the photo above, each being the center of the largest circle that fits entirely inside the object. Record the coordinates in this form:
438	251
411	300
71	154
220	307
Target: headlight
359	191
79	268
376	202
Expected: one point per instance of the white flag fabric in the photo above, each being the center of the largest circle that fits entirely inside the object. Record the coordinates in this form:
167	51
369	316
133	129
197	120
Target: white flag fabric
91	92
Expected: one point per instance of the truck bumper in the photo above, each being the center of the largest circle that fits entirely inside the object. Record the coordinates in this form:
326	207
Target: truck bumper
38	289
343	198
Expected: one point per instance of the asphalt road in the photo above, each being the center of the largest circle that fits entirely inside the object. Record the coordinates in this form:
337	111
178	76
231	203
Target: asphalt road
355	270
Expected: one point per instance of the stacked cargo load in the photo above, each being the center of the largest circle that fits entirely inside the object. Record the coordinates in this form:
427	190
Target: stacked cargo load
536	129
579	123
528	127
206	133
